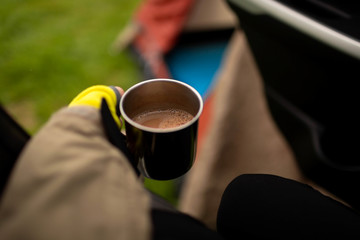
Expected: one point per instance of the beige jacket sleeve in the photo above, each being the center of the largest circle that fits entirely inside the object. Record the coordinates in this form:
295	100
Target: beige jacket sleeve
71	183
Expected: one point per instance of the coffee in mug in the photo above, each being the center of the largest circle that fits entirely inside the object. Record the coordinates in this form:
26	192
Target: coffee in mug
163	118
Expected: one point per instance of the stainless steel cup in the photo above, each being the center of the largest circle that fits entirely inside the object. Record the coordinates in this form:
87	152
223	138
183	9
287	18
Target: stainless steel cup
162	154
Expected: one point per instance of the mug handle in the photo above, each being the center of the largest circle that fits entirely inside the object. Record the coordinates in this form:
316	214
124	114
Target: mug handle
113	132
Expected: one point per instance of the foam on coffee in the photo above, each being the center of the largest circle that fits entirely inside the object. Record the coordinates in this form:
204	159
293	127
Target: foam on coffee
163	118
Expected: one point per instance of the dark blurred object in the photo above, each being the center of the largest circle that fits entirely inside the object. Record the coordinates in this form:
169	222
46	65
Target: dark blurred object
113	133
308	53
12	140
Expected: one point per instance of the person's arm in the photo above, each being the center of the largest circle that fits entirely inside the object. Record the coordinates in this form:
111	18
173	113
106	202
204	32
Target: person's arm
71	183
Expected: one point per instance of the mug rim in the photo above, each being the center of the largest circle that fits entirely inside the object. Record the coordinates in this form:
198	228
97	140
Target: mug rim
161	130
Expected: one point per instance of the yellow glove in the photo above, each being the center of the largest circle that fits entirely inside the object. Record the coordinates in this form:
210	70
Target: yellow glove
93	96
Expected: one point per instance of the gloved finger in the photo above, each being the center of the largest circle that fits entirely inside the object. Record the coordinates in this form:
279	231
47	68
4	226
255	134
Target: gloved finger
93	96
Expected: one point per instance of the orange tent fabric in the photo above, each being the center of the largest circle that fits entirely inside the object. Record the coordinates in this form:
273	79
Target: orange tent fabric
161	22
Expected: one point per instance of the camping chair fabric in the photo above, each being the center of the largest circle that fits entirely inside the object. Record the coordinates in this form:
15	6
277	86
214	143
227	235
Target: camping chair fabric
12	140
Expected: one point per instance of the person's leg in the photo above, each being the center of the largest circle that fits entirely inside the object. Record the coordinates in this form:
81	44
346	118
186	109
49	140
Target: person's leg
243	137
175	225
260	205
169	223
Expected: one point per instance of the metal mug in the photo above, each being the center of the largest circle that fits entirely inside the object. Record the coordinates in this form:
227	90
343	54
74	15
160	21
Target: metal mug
162	154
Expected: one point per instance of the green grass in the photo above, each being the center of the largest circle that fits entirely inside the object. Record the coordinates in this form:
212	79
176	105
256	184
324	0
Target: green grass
50	50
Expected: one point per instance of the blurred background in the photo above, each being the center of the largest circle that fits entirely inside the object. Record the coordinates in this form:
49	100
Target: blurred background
51	50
